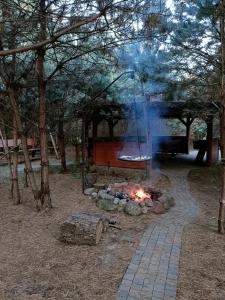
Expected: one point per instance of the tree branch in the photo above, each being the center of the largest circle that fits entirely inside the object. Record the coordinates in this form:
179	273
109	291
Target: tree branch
50	40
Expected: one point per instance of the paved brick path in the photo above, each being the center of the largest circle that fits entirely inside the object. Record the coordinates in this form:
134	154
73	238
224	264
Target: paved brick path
153	270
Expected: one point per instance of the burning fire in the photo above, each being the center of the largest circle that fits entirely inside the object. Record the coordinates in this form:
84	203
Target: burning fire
140	196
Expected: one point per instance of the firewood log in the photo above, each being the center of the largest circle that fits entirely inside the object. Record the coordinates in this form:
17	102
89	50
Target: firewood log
82	229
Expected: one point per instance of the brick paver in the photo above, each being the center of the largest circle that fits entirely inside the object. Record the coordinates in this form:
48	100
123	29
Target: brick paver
153	270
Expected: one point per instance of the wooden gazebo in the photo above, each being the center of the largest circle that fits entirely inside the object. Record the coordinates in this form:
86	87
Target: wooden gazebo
107	118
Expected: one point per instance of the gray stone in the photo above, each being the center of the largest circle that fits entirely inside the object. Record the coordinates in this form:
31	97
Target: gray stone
122	202
158	207
104	195
120	208
142	204
166	205
100	192
148	203
145	210
116	200
120	184
171	201
94	195
133	208
107	205
89	191
168	201
107	197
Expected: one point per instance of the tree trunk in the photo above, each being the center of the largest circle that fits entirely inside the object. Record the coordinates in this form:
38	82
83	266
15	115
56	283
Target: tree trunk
34	187
222	197
54	145
6	150
45	190
77	154
15	182
25	178
222	126
61	141
83	163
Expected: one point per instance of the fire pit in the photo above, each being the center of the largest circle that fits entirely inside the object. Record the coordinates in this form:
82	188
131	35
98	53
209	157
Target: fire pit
131	198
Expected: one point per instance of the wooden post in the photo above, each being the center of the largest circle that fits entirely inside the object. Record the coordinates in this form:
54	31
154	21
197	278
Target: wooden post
187	124
188	132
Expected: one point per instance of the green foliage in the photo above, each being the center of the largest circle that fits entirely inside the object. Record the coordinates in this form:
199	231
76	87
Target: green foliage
199	129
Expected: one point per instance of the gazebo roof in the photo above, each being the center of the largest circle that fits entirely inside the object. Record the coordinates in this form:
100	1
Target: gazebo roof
167	110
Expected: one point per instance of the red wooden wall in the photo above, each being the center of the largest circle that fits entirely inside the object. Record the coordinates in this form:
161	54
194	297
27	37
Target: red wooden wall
106	153
30	142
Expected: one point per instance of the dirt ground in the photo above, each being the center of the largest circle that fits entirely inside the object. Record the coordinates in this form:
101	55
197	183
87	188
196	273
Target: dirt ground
202	264
35	265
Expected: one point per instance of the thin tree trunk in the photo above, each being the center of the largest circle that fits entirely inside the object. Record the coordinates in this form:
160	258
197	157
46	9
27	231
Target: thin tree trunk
83	164
7	153
54	145
15	182
77	154
45	190
25	178
61	141
222	124
34	187
222	197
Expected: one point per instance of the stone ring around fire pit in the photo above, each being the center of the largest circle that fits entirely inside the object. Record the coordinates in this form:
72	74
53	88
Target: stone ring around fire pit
131	198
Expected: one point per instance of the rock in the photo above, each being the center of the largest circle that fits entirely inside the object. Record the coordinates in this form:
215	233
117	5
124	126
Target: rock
145	210
120	208
133	208
171	201
119	195
107	205
120	184
166	205
94	195
109	189
106	196
99	186
162	199
89	191
148	203
167	201
142	203
101	192
122	202
116	200
157	208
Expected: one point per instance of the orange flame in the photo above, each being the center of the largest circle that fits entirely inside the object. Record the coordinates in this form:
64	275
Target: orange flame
141	196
